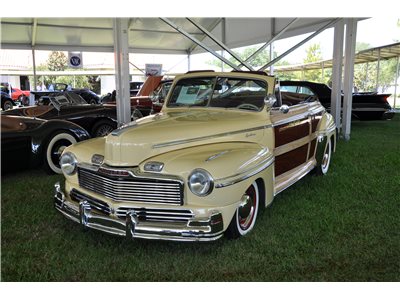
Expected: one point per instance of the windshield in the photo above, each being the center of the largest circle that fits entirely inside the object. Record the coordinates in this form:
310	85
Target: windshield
66	99
223	92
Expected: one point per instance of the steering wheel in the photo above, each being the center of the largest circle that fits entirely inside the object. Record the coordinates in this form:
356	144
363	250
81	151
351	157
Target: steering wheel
311	98
248	106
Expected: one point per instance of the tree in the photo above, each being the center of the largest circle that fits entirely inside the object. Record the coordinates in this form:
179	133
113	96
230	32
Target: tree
314	54
57	61
365	74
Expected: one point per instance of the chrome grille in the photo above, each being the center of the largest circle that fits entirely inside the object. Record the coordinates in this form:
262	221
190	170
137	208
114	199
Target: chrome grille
94	203
132	189
157	214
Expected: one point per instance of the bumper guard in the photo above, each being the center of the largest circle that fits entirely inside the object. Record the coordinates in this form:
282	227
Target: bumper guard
196	229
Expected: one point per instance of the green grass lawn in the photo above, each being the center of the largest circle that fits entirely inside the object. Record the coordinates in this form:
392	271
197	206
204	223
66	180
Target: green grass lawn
341	227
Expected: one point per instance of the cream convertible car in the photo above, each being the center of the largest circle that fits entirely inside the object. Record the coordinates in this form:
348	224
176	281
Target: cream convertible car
221	148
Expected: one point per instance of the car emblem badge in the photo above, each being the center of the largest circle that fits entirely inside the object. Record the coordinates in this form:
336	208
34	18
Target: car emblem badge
97	159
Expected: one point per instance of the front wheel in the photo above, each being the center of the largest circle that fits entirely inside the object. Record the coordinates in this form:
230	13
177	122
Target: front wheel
56	145
245	216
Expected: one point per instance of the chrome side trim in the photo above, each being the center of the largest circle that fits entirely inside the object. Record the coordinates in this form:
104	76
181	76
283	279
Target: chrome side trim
198	139
292	119
230	180
304	115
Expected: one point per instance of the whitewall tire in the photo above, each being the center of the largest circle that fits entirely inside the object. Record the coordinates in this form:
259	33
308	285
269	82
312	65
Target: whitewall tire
54	149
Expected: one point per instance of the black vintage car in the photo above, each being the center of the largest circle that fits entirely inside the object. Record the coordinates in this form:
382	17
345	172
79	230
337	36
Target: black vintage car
59	88
98	120
366	106
31	142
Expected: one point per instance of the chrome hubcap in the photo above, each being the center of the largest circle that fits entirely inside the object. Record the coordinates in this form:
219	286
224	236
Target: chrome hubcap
325	160
247	209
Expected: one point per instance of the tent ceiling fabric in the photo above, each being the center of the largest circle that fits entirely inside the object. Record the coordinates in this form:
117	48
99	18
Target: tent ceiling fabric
146	35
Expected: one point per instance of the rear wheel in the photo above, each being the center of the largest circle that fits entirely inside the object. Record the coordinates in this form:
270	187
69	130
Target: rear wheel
56	145
103	128
323	168
245	216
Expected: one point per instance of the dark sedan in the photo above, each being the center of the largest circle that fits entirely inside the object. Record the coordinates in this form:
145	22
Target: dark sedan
98	120
6	101
31	142
366	106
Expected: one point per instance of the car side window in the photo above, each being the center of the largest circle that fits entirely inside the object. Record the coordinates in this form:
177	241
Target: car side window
288	88
305	90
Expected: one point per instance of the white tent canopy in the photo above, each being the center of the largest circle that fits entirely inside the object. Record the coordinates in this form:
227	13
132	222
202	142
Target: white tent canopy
172	36
146	35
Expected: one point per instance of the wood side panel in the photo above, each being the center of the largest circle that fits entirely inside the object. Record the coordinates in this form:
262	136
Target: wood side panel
312	148
290	132
289	160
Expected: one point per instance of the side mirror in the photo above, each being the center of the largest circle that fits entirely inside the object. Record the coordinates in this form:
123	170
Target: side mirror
270	100
284	109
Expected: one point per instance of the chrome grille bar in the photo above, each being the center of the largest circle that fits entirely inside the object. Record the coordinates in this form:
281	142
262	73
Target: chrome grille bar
132	189
94	203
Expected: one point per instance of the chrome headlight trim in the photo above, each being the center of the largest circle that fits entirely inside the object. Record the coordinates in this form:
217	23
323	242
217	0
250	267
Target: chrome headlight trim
200	182
68	163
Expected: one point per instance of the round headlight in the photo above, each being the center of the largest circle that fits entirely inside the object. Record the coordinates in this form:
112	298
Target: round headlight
68	163
200	182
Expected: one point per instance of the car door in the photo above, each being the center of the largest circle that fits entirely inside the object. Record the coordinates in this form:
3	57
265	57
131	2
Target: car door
292	131
15	145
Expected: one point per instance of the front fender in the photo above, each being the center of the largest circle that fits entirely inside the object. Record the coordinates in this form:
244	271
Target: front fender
46	130
233	167
223	161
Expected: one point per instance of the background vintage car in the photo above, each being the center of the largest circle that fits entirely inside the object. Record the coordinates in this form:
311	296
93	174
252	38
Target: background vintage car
229	149
142	103
6	101
58	89
98	120
31	142
366	106
21	96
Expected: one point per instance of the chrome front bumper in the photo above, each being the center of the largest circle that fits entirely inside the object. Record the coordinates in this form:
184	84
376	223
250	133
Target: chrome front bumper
196	229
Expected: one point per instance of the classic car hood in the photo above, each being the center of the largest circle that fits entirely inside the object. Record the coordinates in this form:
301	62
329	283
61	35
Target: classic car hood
49	112
11	123
164	132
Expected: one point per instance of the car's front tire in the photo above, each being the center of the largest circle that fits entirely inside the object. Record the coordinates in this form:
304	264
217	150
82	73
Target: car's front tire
8	104
246	214
56	145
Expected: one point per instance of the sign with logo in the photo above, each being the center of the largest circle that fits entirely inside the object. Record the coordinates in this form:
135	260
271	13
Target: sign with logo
75	59
153	69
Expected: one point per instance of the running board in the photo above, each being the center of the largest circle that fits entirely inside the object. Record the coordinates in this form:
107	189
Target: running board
285	180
